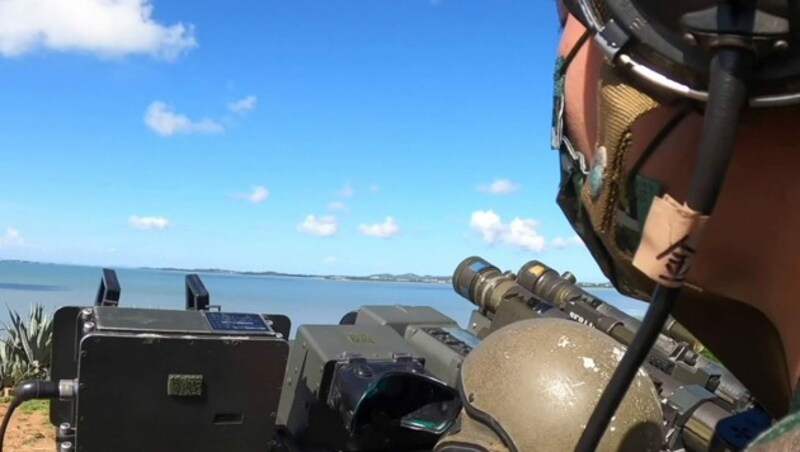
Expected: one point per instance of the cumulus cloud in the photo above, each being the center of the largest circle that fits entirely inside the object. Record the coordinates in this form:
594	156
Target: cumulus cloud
336	205
12	238
499	187
488	224
107	28
347	191
388	228
243	105
146	223
258	194
563	242
521	232
163	120
321	227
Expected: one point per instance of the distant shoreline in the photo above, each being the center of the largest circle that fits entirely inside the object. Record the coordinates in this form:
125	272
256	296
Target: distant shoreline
381	277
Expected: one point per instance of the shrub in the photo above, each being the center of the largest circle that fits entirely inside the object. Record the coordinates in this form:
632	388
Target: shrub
25	351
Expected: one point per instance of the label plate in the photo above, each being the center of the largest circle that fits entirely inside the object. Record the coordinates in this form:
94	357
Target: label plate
227	321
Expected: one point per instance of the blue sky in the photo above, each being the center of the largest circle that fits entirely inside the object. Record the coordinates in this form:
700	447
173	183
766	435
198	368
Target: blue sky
348	137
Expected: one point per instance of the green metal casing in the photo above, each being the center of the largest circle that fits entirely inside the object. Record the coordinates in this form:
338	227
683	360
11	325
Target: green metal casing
316	349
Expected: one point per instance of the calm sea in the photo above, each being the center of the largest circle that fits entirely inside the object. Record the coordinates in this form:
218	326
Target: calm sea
304	300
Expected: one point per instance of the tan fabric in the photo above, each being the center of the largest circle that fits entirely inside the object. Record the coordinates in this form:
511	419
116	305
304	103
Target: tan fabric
669	241
620	105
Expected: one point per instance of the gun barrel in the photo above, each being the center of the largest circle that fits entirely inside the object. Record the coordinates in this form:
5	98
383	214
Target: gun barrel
548	284
686	380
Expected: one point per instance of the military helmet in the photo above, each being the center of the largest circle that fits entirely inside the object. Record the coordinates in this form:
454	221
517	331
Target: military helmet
656	58
666	46
533	384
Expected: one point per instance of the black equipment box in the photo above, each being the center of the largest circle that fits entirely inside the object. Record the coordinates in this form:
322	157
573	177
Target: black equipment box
174	380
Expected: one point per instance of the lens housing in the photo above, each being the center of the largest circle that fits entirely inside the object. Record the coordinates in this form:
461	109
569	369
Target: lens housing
484	284
391	397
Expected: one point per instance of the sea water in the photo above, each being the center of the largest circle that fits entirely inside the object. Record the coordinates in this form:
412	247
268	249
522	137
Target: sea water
304	300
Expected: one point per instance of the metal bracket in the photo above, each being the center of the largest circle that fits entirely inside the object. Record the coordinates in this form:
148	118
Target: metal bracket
109	291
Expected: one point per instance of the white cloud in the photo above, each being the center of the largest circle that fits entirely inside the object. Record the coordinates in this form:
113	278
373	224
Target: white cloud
383	230
145	223
108	28
374	188
347	191
330	260
243	105
258	194
12	238
322	227
521	232
499	187
336	205
563	242
163	120
488	224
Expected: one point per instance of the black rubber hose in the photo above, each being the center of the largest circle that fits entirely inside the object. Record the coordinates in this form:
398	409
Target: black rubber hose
27	390
727	95
730	70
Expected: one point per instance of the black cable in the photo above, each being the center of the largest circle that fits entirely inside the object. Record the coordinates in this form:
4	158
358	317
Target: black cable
730	69
11	407
573	52
727	95
27	390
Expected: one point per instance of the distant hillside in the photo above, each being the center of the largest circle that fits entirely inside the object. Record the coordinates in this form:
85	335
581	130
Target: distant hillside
382	277
387	277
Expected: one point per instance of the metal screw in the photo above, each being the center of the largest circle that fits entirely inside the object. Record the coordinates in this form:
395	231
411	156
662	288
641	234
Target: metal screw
66	446
780	45
689	38
88	326
64	429
364	371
